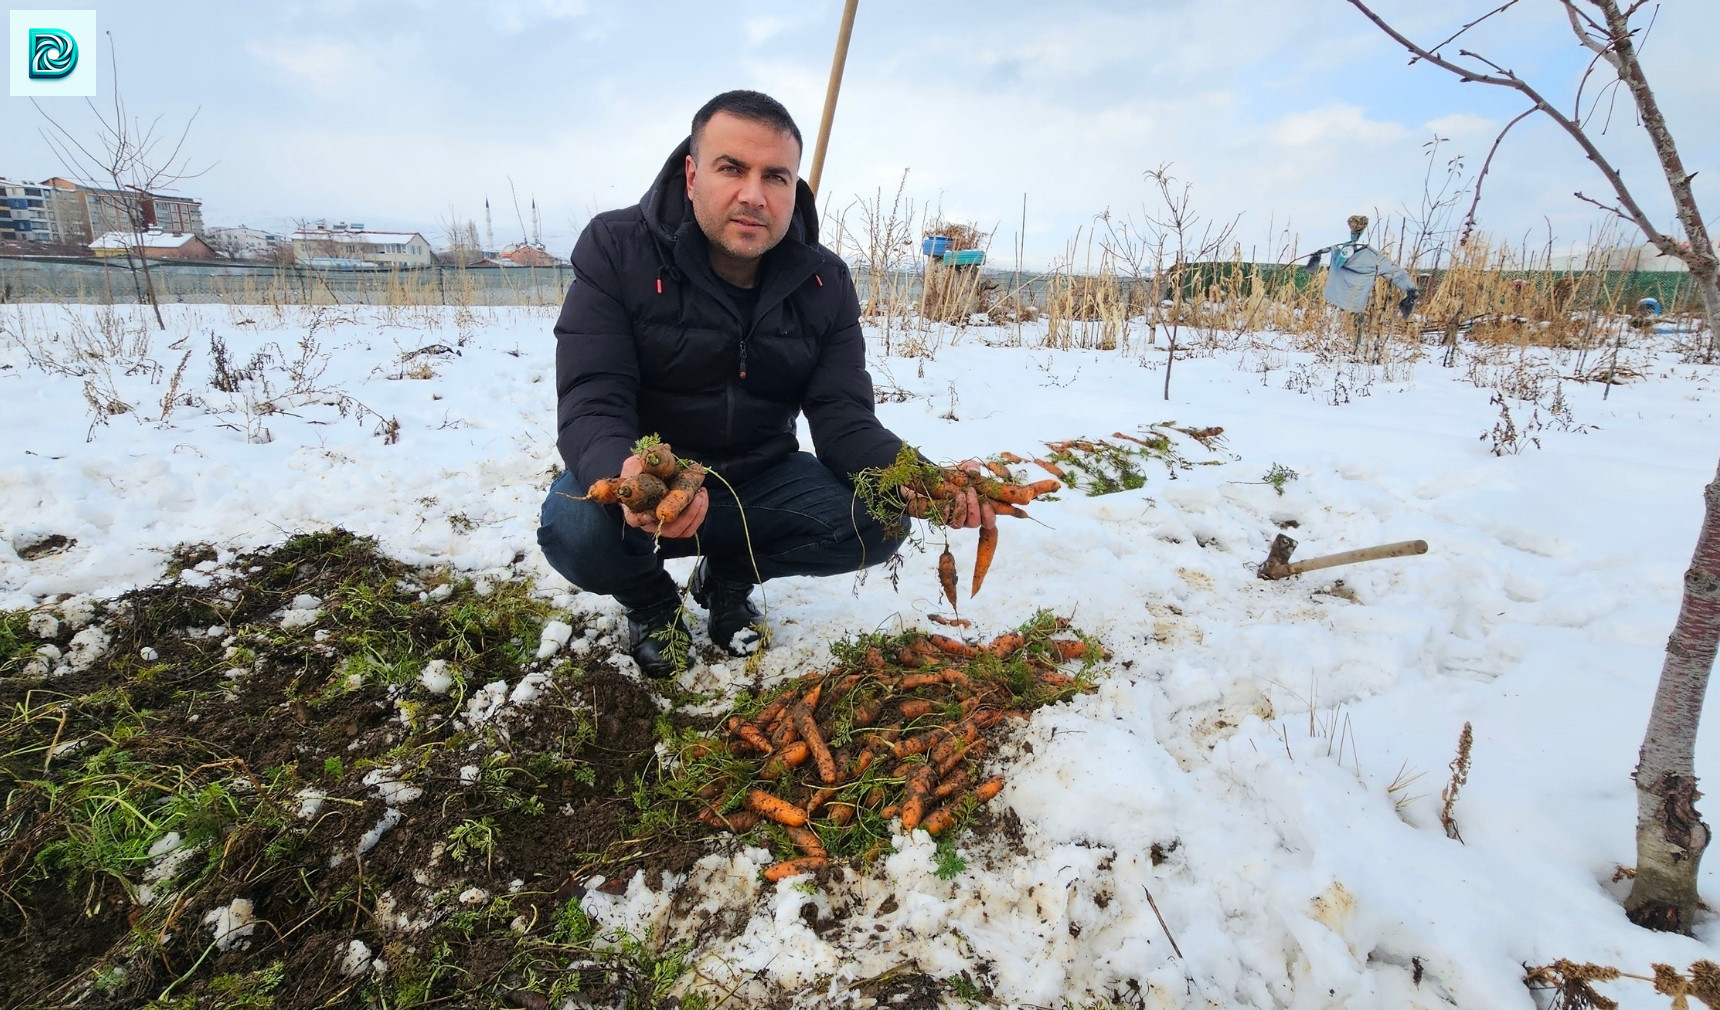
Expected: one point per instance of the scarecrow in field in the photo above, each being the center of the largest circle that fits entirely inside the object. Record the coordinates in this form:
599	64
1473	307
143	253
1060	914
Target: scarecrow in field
1350	282
709	315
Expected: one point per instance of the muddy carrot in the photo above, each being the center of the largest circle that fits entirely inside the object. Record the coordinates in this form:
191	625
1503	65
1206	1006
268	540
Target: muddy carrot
1004	645
947	575
918	680
866	713
795	867
861	763
925	647
1066	650
605	491
999	469
792	756
779	810
982	557
874	660
740	822
841	813
640	492
950	622
1052	678
805	840
1004	508
917	790
811	699
1010	457
917	744
659	461
817	802
952	646
940	820
953	783
814	739
750	734
917	707
910	657
1013	494
989	788
681	489
1051	468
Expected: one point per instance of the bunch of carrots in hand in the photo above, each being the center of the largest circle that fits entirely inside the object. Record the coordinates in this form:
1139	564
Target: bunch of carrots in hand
946	492
896	730
660	487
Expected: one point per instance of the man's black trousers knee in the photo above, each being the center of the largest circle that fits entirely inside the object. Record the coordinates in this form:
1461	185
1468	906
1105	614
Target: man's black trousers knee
796	518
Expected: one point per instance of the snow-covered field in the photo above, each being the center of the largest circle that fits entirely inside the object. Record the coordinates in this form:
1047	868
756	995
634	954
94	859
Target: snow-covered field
1262	760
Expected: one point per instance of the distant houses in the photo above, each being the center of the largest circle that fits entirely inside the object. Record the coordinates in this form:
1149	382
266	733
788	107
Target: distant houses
352	246
84	213
152	244
243	243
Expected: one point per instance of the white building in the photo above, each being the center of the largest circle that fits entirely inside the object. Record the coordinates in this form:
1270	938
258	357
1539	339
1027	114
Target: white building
245	243
342	241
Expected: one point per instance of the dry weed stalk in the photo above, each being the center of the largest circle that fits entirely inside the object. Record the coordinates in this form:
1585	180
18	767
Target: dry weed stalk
1459	778
1573	984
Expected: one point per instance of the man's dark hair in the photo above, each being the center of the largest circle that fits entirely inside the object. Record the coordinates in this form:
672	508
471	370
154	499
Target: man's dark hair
755	106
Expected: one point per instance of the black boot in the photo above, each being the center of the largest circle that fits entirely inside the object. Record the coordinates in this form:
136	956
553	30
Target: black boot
658	638
735	622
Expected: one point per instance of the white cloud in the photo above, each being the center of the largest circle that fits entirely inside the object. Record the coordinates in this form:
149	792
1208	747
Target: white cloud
1334	124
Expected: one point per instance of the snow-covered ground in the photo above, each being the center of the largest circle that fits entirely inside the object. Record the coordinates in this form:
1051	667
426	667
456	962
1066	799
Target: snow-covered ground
1245	759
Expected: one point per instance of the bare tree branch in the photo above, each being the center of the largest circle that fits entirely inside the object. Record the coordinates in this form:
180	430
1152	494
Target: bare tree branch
1502	8
1474	204
1507	79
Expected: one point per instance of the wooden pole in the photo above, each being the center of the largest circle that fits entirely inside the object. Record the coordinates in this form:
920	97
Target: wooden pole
836	65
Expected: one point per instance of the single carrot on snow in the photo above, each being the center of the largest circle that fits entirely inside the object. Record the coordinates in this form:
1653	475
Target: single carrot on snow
1051	468
989	788
779	810
982	557
999	469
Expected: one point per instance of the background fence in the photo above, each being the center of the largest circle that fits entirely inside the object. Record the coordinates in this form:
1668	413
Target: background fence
33	279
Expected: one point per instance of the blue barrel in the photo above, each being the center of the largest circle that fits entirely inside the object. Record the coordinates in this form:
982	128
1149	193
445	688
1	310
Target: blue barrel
935	245
964	258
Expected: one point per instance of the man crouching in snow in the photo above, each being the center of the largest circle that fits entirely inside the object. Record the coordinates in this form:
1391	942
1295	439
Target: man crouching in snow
710	316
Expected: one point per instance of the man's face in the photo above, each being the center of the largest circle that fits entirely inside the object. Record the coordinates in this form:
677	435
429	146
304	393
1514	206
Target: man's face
742	185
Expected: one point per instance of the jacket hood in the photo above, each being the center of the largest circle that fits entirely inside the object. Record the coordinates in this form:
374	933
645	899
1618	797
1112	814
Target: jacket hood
667	209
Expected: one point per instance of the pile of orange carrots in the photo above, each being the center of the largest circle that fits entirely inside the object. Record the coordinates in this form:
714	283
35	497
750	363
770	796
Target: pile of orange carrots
896	730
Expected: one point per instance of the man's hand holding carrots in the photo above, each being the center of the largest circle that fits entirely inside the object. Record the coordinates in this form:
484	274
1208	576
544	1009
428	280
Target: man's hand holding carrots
685	524
965	511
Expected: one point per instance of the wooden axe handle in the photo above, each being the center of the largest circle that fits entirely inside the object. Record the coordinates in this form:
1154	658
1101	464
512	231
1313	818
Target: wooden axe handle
1400	549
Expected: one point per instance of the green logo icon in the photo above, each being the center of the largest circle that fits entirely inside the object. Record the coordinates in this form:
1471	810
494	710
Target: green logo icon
53	54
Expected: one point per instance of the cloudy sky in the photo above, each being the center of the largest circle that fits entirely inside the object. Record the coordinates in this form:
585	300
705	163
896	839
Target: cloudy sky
1290	113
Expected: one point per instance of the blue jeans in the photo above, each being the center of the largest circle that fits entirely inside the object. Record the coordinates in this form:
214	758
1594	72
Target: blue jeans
799	519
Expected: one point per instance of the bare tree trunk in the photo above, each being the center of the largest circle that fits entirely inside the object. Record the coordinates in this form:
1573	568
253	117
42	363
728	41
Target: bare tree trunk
1670	835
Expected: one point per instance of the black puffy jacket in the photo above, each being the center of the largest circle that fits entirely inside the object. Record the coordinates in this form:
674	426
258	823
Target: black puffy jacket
648	342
